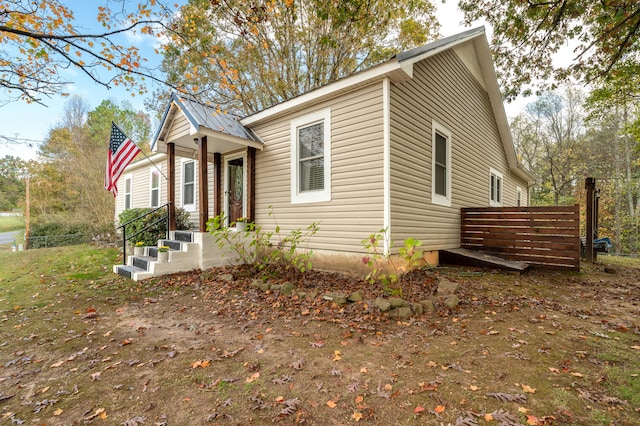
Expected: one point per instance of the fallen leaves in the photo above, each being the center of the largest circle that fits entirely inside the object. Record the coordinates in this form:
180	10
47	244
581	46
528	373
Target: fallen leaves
201	363
255	376
100	413
528	389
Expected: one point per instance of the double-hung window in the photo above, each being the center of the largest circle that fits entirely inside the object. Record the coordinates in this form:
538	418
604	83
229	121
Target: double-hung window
189	185
441	166
495	188
311	158
155	187
127	192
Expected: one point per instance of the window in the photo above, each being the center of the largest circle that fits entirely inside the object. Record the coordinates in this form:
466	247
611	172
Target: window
518	196
495	188
127	192
441	166
189	185
155	187
311	158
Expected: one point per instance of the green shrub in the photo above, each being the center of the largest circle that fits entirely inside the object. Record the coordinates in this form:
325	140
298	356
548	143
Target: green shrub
58	233
150	236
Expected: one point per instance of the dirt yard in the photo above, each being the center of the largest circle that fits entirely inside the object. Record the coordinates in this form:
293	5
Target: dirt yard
209	348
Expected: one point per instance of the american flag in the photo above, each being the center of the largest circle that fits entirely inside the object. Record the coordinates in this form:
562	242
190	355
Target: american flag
121	151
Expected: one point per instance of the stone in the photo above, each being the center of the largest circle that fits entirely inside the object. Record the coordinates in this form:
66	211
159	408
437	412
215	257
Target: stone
287	288
256	283
264	286
417	308
355	297
227	277
447	287
312	295
451	301
276	287
382	304
300	295
428	305
402	312
337	298
397	302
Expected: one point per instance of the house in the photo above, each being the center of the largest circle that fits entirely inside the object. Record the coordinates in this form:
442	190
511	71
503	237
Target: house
400	146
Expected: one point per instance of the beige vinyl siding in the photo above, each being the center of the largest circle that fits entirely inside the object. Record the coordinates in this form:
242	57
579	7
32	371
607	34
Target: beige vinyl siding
180	127
356	206
140	173
442	90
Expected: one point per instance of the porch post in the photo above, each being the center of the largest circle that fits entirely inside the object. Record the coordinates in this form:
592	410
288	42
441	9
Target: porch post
217	184
251	183
590	186
171	185
203	183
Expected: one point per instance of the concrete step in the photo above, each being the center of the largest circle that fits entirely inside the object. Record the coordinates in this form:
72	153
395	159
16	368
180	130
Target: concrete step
185	236
127	271
142	262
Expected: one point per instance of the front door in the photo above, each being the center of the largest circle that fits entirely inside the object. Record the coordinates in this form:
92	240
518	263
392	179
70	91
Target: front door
234	189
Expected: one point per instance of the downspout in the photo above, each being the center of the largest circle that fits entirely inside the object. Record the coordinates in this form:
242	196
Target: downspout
386	132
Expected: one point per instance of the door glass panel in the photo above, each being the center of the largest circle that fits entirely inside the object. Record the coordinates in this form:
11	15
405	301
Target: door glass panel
235	189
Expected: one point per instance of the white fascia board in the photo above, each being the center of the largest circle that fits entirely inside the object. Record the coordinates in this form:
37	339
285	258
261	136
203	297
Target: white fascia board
205	131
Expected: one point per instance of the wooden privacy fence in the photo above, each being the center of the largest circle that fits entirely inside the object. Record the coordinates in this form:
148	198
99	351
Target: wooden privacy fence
544	237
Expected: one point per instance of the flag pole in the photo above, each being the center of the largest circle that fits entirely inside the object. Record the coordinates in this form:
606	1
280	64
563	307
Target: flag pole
145	155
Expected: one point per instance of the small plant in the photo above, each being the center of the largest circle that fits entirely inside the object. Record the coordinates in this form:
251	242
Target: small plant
379	263
287	255
270	252
242	219
163	249
139	244
383	268
226	237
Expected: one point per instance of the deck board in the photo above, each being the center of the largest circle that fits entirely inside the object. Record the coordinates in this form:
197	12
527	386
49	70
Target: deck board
462	256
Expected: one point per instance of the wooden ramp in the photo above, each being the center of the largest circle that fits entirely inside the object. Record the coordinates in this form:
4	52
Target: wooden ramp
462	256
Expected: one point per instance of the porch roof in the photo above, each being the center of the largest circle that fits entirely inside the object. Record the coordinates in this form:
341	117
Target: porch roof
223	131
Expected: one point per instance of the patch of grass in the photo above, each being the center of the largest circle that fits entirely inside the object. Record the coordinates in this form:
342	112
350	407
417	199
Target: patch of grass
624	261
11	223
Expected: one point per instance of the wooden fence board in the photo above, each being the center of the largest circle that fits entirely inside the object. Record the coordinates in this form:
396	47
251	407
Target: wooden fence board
545	237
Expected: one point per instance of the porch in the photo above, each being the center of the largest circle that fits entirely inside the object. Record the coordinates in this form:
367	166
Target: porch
216	174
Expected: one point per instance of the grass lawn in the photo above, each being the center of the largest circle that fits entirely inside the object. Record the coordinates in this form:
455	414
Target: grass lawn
80	345
11	223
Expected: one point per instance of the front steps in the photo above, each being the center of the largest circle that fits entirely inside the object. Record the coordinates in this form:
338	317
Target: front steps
184	255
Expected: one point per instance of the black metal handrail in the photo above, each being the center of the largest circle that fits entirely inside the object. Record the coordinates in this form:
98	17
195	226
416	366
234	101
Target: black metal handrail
124	228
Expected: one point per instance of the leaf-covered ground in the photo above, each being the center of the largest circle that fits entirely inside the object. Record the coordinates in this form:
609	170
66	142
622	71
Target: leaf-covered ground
79	345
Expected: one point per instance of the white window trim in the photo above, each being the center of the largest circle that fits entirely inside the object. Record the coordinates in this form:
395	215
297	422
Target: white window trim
151	173
298	197
127	177
189	207
438	198
492	202
519	196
